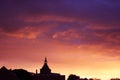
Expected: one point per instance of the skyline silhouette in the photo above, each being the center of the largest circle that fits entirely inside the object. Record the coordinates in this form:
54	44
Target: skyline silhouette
81	37
44	74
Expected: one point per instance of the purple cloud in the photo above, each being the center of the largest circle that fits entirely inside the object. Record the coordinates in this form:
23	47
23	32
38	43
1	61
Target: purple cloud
88	18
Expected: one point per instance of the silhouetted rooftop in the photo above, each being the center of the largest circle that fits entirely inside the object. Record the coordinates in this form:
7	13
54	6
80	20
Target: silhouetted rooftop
6	74
45	69
3	68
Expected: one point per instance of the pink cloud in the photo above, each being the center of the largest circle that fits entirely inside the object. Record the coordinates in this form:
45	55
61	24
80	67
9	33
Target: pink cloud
67	35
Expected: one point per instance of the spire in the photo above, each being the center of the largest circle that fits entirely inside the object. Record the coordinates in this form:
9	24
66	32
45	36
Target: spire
45	60
36	71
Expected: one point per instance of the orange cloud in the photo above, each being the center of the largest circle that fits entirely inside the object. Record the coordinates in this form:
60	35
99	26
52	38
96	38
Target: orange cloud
27	32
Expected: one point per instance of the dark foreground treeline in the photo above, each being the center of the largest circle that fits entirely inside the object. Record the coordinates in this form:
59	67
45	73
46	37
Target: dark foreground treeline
21	74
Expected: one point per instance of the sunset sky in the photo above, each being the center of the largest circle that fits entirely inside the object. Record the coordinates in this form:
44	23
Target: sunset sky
79	37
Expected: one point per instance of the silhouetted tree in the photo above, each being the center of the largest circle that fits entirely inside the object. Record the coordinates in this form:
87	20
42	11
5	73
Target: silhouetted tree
115	79
85	79
91	79
23	74
94	79
73	77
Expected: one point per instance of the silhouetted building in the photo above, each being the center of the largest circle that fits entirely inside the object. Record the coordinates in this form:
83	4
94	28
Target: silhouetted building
23	74
46	74
6	74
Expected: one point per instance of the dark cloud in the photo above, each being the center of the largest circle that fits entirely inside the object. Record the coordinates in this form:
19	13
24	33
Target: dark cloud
96	20
94	11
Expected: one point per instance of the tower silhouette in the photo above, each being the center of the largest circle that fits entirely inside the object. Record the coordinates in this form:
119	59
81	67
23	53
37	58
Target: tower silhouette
45	69
46	74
